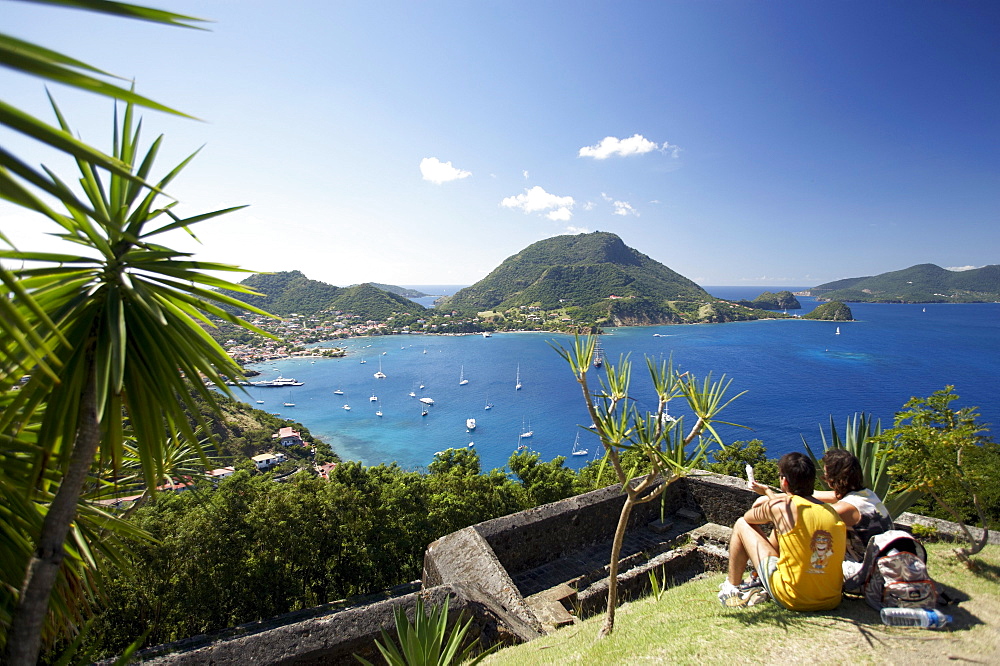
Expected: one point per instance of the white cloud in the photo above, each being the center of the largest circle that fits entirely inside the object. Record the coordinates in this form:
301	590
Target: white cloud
437	172
609	145
525	172
537	199
589	205
577	230
624	208
962	268
561	214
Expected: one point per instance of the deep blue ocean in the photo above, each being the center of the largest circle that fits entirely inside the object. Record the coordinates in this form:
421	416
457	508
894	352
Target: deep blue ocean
796	374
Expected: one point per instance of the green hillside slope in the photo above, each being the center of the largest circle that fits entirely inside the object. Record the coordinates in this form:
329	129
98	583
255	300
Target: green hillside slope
369	302
576	271
923	283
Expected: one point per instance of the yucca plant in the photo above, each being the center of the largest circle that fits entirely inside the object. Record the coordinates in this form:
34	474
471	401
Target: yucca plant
861	437
127	339
665	451
426	641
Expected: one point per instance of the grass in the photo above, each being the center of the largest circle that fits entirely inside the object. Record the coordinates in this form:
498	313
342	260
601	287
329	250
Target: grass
688	625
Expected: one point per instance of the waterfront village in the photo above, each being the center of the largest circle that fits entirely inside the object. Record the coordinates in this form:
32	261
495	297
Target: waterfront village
295	331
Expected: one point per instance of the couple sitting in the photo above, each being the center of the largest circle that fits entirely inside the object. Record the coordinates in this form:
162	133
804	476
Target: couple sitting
801	565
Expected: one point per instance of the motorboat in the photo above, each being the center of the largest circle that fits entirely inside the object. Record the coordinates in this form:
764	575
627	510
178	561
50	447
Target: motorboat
280	381
347	408
470	424
427	401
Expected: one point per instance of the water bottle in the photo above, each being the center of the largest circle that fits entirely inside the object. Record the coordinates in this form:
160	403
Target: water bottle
928	618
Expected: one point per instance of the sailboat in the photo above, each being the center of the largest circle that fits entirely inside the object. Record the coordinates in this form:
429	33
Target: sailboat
526	433
378	412
598	354
289	403
489	405
517	381
462	381
380	374
838	331
577	451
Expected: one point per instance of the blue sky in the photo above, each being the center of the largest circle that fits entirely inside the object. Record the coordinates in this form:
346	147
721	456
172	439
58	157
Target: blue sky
737	142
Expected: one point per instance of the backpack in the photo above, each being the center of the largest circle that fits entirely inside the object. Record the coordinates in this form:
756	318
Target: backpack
894	573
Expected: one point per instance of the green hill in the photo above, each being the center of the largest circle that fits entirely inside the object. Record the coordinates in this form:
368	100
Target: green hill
783	300
923	283
596	273
832	311
401	291
289	292
369	302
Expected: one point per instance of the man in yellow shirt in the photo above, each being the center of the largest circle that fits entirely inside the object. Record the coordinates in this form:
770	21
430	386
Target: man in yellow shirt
800	565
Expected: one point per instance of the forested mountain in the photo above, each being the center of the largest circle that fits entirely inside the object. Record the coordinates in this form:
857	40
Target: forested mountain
369	302
596	273
289	292
923	283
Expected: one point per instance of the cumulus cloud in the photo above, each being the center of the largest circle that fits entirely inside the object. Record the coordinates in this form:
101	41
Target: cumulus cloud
536	199
636	144
577	230
437	172
963	268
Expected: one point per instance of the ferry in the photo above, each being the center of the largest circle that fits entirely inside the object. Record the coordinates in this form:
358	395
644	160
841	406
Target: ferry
280	381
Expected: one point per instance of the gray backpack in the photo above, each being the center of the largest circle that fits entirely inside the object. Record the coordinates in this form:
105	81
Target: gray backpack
894	573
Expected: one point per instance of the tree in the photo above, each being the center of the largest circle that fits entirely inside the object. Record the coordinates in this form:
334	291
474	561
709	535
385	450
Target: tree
732	460
658	437
122	320
543	481
930	444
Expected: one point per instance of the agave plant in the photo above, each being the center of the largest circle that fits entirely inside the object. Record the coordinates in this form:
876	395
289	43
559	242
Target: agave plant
426	641
861	437
665	451
126	339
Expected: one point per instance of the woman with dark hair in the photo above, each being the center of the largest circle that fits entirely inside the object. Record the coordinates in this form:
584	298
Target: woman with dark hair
859	507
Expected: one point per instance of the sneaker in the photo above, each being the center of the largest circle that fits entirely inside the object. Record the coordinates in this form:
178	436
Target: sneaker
730	595
752	583
757	595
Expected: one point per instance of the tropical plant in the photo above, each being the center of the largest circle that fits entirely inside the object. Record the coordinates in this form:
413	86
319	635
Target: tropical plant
657	438
123	321
427	641
861	437
928	444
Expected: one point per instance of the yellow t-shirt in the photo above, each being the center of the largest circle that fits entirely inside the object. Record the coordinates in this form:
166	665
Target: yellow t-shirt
809	574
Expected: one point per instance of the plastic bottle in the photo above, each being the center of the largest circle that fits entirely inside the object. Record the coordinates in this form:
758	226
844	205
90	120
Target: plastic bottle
915	617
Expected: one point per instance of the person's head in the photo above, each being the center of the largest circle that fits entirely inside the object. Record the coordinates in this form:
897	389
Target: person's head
842	471
799	472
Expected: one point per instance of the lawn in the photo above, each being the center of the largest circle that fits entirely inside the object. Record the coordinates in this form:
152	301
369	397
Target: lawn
688	625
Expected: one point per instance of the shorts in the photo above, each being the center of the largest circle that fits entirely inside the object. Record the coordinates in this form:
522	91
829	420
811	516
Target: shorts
767	568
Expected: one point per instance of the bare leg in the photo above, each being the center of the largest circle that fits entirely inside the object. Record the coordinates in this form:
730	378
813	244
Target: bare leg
748	543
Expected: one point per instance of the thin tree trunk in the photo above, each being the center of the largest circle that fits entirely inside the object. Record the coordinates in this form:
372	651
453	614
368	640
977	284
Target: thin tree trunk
616	550
25	636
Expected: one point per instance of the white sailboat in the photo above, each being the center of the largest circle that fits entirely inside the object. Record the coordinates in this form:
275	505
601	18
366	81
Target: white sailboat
462	381
380	374
489	405
289	403
526	433
517	380
838	331
378	412
577	451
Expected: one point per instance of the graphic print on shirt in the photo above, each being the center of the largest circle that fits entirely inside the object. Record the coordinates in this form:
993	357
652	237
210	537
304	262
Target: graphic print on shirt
822	549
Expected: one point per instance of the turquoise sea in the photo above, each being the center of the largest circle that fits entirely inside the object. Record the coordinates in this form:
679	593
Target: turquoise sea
796	374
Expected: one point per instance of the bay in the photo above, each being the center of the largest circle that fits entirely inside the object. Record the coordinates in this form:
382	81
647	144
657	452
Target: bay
796	374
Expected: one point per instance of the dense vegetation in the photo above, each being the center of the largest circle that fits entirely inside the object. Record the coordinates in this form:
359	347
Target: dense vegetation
923	283
289	292
367	301
400	291
832	311
783	300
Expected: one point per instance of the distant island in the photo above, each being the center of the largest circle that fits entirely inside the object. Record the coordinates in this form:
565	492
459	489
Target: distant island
832	311
923	283
783	300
